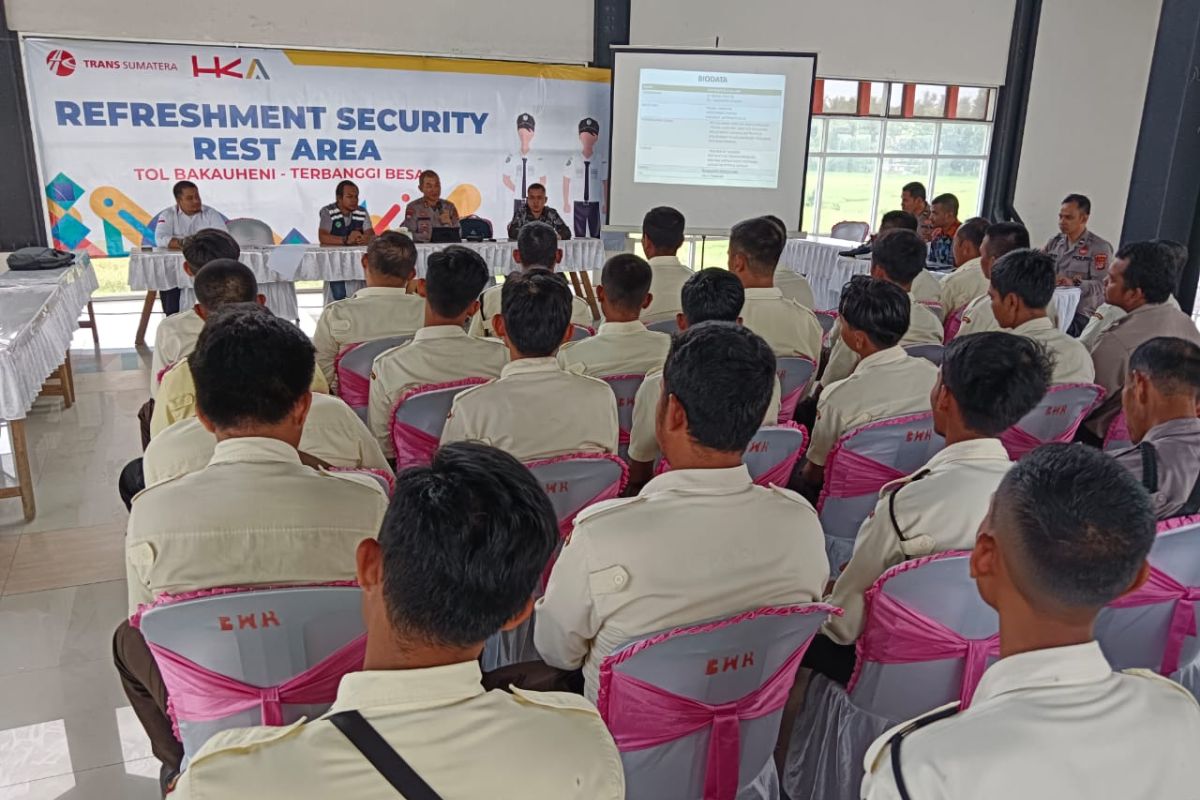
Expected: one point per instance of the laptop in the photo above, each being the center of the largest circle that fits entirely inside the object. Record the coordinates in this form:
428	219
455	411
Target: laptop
445	234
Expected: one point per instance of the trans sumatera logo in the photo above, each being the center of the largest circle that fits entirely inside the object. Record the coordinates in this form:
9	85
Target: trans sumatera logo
61	62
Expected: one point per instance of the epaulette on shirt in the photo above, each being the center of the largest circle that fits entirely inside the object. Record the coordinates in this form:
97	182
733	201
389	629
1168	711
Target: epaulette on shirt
607	507
245	740
564	701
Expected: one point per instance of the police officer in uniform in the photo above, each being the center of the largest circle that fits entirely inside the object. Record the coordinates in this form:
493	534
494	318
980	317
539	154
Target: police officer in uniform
1082	257
522	167
344	222
587	171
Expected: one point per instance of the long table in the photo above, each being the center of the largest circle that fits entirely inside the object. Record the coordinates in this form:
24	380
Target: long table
817	259
39	313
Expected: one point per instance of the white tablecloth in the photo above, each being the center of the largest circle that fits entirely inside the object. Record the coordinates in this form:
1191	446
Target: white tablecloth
816	258
163	269
1066	300
39	313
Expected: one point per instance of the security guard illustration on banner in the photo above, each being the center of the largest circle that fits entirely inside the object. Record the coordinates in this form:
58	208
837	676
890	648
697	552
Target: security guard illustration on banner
587	172
522	167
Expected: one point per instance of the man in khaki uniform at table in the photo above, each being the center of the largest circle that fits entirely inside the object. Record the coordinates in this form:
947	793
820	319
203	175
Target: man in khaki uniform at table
622	345
440	352
662	236
887	382
537	248
897	257
383	309
787	326
986	384
1140	283
1068	532
677	553
1022	287
449	528
255	515
967	281
1081	257
1160	400
535	409
1001	238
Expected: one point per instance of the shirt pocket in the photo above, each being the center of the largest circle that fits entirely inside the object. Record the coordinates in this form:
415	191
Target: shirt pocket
612	580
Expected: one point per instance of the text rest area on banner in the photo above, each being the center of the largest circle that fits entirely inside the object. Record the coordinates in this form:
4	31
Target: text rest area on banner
269	133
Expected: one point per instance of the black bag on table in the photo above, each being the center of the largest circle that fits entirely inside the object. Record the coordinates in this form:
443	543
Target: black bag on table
33	258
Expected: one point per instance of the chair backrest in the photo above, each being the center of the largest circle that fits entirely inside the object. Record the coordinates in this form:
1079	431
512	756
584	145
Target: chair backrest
418	418
851	231
795	375
1054	419
234	658
1155	627
862	461
695	711
574	482
581	332
936	307
663	326
773	452
353	364
930	352
827	319
1117	437
625	388
250	232
927	638
953	323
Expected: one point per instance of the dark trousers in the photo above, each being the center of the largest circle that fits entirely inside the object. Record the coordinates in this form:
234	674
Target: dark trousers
144	415
587	218
132	481
534	676
147	694
337	290
170	300
834	661
1078	324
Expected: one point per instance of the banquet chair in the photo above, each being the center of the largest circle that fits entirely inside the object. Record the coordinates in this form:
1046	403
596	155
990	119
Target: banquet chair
927	639
233	658
695	710
251	232
860	463
938	310
668	326
773	452
953	323
625	388
930	352
1054	419
352	286
851	231
353	364
1154	627
795	376
417	419
827	319
1117	437
580	332
572	482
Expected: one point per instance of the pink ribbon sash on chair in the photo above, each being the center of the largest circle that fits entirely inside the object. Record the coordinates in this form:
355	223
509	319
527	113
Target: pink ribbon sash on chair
1018	441
355	389
199	694
414	447
857	475
1162	588
953	323
788	403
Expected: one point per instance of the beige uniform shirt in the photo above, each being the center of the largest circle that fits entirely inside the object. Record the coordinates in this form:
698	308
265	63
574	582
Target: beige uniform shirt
1072	362
1053	723
254	516
1103	318
375	312
489	306
889	383
332	433
669	274
177	396
937	508
788	327
1177	461
464	742
978	317
176	338
676	554
536	410
439	354
923	328
618	348
643	445
1116	345
926	288
795	287
964	284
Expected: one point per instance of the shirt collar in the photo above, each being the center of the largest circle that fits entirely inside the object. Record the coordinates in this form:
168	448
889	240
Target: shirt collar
727	480
382	291
665	261
974	263
1184	426
761	294
619	328
409	688
1073	665
260	449
1034	325
892	355
527	365
987	449
439	332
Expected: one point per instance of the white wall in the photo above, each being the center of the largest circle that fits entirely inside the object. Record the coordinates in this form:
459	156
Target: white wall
880	39
1090	71
522	29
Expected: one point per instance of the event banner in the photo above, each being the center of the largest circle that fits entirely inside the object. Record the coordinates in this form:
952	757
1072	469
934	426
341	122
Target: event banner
269	133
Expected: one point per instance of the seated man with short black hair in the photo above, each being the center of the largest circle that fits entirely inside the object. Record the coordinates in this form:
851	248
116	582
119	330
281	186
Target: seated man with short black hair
944	218
1160	400
662	236
793	285
967	281
383	309
892	220
887	382
535	409
1106	314
999	239
1068	532
534	209
255	516
678	553
1022	288
459	554
622	344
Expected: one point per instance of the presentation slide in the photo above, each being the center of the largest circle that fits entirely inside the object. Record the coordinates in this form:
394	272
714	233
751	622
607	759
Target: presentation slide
709	128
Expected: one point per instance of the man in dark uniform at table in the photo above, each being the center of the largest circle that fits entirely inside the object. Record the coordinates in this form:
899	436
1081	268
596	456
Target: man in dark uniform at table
588	172
344	222
534	209
1082	257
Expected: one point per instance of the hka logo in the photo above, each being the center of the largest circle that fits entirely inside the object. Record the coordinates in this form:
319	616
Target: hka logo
256	71
61	62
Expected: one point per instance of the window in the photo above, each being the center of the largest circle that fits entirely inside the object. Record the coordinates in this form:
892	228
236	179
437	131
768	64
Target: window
871	138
